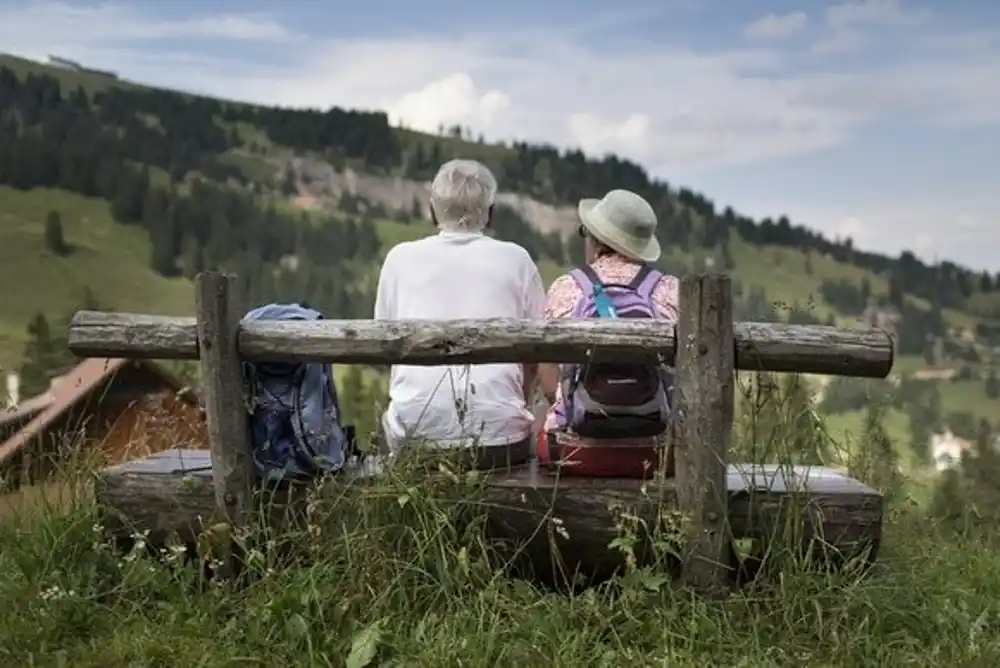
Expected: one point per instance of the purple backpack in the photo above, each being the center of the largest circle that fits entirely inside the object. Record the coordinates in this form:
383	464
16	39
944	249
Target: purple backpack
613	401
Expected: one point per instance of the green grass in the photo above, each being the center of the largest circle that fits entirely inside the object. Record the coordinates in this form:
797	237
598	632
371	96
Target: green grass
782	274
112	260
906	365
253	167
388	579
968	395
847	430
249	134
964	396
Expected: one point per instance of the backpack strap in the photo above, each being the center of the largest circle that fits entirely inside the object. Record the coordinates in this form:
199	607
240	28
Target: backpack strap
586	278
307	460
646	280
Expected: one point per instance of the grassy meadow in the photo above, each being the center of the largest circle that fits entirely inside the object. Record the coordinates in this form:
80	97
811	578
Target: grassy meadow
386	576
111	259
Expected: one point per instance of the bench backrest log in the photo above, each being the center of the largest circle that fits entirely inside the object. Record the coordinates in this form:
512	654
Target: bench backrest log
705	346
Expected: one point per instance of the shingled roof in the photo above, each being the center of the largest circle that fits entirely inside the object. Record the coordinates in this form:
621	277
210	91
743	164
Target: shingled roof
68	390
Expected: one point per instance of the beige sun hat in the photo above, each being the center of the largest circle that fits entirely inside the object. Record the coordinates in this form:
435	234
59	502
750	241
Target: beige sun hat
624	222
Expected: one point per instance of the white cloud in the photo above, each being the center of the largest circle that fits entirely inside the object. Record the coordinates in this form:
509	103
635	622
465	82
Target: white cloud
598	136
101	24
447	101
662	104
855	13
777	26
841	40
851	228
848	23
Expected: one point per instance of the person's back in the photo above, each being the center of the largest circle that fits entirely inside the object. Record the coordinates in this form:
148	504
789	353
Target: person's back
620	246
459	274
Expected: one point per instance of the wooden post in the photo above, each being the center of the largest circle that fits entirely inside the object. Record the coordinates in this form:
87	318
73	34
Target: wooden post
218	315
703	389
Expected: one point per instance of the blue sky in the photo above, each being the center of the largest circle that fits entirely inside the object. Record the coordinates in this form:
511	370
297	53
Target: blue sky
878	119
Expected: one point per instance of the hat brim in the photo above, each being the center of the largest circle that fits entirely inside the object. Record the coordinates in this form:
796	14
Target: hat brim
596	227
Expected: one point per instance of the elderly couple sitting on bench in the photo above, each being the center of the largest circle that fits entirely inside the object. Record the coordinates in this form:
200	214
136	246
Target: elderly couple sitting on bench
597	412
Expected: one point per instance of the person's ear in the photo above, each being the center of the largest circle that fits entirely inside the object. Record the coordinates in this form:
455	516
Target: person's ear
590	248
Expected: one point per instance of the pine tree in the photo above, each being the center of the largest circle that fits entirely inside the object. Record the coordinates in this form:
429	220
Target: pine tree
55	240
40	357
895	290
288	185
992	385
930	352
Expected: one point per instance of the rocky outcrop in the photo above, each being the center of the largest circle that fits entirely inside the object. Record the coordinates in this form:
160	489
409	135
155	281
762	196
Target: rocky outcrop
320	185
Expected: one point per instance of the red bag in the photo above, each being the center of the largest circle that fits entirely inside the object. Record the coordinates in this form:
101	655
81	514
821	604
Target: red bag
599	461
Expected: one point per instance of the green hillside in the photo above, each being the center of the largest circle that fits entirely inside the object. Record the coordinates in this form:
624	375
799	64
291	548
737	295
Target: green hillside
112	260
124	192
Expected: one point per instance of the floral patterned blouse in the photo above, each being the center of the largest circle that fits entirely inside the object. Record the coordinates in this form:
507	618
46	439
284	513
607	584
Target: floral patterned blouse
562	298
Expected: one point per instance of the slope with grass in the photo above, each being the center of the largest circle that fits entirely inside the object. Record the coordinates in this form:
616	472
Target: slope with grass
114	261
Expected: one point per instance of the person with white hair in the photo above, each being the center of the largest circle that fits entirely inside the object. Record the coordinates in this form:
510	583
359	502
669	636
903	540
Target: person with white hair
459	273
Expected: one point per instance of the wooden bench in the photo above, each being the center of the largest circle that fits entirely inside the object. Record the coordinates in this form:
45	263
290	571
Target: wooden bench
706	347
172	493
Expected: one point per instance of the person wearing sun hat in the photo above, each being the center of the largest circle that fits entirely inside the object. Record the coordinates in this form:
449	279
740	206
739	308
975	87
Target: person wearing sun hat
621	222
619	236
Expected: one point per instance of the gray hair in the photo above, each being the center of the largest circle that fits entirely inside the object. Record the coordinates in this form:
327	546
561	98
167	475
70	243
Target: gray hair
461	196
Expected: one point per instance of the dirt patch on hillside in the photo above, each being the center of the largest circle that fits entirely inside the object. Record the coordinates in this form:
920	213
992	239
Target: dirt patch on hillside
320	185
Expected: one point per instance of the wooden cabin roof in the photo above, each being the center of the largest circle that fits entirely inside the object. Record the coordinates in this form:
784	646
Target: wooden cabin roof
69	389
25	410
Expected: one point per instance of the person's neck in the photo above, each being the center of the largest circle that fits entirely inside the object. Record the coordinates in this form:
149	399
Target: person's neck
461	232
613	256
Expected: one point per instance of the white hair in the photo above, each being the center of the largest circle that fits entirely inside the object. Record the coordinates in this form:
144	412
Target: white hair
461	196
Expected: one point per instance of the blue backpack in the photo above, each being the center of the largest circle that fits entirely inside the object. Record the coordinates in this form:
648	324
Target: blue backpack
294	411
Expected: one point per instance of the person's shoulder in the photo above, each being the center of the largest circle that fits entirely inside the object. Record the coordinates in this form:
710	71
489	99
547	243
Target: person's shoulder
668	280
405	249
511	256
667	292
511	249
563	284
561	297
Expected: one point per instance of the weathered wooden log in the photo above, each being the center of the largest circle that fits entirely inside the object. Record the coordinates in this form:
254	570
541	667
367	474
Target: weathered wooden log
171	493
219	313
704	421
217	302
759	346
